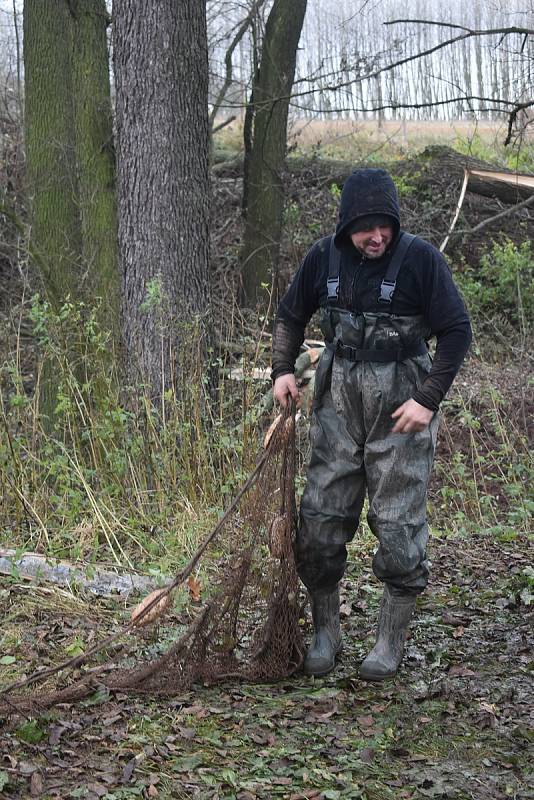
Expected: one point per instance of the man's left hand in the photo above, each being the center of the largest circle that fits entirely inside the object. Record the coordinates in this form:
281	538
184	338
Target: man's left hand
411	417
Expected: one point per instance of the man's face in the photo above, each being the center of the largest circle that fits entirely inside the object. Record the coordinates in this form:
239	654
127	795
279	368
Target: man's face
373	241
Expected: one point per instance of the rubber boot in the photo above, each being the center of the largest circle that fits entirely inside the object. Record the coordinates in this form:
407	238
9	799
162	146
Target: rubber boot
326	643
384	659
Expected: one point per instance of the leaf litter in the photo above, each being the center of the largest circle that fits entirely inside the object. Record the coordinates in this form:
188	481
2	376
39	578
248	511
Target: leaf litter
456	723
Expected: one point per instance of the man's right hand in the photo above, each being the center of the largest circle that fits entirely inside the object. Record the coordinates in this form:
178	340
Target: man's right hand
285	388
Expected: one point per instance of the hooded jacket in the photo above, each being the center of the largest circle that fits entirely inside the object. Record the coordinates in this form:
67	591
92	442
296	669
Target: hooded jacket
367	191
424	286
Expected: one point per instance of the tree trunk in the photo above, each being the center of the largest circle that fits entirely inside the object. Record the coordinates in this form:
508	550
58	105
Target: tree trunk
96	158
161	73
264	190
50	146
51	166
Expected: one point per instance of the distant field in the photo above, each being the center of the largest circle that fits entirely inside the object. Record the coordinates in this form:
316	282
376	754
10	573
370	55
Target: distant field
307	133
353	140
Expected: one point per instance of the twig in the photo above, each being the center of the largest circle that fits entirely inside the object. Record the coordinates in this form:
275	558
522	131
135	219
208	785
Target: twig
528	202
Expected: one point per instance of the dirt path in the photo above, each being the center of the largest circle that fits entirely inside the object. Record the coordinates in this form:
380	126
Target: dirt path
455	724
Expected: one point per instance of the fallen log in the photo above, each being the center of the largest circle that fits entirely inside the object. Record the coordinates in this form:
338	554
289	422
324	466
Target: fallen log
484	179
34	566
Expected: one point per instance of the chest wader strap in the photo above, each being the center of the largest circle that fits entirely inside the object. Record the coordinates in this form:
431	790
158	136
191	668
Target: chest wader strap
332	283
387	287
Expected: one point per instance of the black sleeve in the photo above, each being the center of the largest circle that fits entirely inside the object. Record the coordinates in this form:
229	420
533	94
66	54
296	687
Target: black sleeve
447	316
287	339
295	310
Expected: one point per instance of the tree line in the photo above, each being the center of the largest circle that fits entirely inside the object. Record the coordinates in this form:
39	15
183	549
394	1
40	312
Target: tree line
346	50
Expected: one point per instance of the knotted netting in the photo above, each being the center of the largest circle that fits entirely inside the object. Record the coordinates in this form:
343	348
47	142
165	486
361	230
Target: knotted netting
247	627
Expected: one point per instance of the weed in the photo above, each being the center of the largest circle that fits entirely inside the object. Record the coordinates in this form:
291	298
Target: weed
485	474
104	479
503	285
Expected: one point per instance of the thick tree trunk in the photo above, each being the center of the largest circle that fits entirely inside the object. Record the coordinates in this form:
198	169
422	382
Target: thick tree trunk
265	161
51	166
161	72
96	158
50	145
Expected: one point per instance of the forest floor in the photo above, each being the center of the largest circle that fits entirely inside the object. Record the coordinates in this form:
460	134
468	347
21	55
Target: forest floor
456	723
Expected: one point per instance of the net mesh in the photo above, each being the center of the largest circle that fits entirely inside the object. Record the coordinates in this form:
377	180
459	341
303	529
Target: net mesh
248	627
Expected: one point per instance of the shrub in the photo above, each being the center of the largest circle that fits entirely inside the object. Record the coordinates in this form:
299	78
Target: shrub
502	285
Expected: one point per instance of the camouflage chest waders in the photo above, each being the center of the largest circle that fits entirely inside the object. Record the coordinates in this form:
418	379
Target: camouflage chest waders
373	362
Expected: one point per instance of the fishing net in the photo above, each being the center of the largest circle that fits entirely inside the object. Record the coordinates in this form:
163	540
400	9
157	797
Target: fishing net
248	626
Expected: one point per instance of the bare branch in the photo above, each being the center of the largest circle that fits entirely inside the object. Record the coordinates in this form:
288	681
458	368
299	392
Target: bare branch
496	217
389	67
228	59
470	31
513	116
223	124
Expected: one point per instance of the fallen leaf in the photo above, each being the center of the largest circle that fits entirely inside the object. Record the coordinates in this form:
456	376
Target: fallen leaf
36	784
152	791
26	767
459	631
127	772
459	671
156	610
98	788
365	722
186	733
345	609
195	588
55	734
367	755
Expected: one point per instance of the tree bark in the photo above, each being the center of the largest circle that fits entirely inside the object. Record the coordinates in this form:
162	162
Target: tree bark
266	158
52	186
96	158
50	146
161	73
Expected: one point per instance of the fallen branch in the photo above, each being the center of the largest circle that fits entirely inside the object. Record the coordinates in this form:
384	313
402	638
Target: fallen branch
499	216
34	566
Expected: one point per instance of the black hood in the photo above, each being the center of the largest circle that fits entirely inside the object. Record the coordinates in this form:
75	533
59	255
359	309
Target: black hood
367	191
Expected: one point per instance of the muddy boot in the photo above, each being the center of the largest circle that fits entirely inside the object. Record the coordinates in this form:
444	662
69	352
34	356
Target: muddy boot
326	644
395	613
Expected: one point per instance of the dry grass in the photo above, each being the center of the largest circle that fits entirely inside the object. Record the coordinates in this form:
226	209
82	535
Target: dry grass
356	139
309	133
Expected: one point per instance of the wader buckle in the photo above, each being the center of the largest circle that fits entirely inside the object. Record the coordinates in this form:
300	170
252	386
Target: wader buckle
386	291
332	287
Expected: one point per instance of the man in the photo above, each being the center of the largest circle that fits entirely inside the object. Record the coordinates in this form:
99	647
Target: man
382	294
